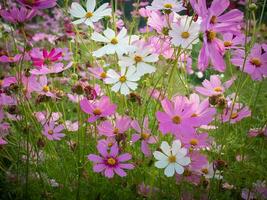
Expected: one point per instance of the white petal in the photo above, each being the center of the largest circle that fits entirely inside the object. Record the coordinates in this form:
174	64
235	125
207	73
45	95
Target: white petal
110	80
110	34
144	68
178	168
100	52
165	147
131	70
111	73
90	5
126	62
99	38
89	22
131	85
176	146
78	21
161	164
103	9
116	87
124	89
169	171
151	58
122	33
77	10
183	161
160	156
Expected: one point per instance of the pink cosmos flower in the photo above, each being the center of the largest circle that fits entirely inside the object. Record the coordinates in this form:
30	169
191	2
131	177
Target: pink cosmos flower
40	85
16	15
231	41
214	22
160	23
45	117
239	112
198	160
98	109
255	132
194	140
189	176
98	72
143	134
121	125
160	46
202	110
72	126
256	63
177	116
214	87
38	4
53	131
110	162
185	61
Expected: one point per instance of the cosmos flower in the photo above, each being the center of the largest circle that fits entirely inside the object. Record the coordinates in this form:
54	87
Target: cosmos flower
98	109
110	162
167	6
214	87
256	63
237	114
141	58
90	15
40	85
115	43
173	158
194	140
123	82
177	116
143	134
53	131
185	34
38	4
120	126
17	16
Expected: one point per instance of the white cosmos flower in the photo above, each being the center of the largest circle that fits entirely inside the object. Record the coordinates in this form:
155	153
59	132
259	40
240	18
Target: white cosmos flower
209	172
140	57
123	82
186	33
173	158
119	43
167	5
90	15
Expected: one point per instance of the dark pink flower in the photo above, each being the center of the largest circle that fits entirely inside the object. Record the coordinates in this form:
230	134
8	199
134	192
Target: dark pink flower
110	162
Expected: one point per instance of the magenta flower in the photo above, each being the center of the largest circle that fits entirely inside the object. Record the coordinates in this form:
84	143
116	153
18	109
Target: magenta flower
177	116
121	125
53	131
10	59
214	87
98	72
160	23
38	4
231	41
17	16
48	62
98	109
143	134
40	85
239	112
110	162
256	63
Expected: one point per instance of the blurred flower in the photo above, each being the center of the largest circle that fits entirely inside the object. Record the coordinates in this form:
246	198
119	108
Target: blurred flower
16	15
38	4
166	6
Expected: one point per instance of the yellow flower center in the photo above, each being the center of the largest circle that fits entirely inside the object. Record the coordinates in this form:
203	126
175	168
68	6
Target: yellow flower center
227	43
172	159
103	75
176	120
114	41
211	35
111	161
138	59
218	89
145	135
122	79
1	82
46	88
205	171
185	35
168	6
89	15
50	132
213	20
234	115
110	144
194	142
256	62
97	112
